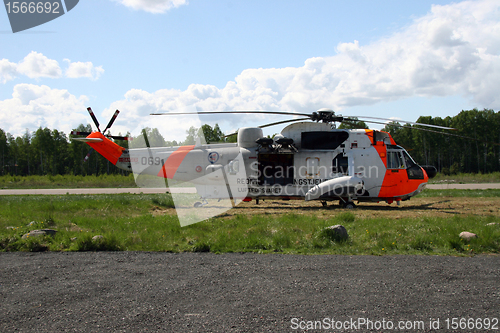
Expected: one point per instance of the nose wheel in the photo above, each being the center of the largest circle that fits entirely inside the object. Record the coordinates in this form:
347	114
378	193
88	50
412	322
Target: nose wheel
347	203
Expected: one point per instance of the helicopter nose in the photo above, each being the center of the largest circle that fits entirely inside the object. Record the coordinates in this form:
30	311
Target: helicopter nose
430	170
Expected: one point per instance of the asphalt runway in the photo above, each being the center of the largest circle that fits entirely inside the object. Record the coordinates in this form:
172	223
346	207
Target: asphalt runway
205	292
478	186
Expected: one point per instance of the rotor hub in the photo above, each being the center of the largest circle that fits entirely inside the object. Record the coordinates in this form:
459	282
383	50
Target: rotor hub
326	116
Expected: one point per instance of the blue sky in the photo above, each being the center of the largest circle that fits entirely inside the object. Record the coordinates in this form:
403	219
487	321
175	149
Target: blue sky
373	58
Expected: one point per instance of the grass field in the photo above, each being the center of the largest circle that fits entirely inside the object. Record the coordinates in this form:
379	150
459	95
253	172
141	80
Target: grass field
66	181
428	224
466	178
71	181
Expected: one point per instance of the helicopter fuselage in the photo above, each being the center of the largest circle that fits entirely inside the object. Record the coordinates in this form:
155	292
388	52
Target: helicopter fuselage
307	160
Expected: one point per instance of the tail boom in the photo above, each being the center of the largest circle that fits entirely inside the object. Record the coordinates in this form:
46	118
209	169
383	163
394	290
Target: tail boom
104	146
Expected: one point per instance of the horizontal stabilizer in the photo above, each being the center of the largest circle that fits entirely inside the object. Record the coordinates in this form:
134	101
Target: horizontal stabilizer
88	139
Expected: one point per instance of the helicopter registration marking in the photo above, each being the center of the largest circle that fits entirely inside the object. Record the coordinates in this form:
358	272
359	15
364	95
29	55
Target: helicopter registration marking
308	181
296	182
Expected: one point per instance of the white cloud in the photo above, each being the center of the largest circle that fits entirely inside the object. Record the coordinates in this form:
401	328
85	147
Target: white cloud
35	66
453	50
138	104
153	6
32	106
83	69
8	70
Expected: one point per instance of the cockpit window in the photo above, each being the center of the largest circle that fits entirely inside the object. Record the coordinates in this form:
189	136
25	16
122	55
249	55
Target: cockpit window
408	160
395	160
413	169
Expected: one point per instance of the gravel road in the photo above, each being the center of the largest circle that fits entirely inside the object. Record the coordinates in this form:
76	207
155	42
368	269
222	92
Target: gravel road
204	292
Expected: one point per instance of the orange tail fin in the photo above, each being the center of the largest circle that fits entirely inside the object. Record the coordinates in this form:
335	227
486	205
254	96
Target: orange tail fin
107	148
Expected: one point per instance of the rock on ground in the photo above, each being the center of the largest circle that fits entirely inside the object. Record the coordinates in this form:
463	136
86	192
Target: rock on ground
465	235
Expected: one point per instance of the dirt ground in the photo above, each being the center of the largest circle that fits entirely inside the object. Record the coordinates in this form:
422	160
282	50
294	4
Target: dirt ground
435	207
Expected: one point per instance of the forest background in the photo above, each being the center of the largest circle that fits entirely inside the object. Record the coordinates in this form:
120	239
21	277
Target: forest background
473	148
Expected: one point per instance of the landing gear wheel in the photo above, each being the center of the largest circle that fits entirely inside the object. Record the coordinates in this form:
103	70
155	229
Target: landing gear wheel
324	203
349	205
201	204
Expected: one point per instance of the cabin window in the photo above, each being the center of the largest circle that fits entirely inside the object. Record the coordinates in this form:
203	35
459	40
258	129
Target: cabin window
312	164
234	167
339	164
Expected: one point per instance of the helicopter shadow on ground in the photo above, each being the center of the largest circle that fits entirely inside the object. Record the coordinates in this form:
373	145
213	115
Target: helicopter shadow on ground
431	206
276	207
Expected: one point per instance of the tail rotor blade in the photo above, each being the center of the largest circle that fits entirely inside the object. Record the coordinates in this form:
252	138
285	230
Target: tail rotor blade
112	120
93	118
117	137
80	133
88	155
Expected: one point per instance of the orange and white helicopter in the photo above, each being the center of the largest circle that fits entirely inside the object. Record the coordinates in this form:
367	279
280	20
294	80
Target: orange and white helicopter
310	159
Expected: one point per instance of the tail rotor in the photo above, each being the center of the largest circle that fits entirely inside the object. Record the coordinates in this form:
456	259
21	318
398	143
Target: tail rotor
96	122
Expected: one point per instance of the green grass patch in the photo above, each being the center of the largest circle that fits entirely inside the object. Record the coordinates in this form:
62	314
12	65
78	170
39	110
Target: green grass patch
488	193
125	222
66	181
466	178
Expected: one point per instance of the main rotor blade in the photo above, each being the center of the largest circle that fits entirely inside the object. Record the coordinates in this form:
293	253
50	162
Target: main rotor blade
93	118
271	124
285	113
352	122
111	121
407	122
395	123
438	132
283	122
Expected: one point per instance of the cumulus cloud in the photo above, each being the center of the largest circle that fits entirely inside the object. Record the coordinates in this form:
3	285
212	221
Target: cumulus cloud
153	6
32	106
83	69
8	70
36	65
453	50
138	104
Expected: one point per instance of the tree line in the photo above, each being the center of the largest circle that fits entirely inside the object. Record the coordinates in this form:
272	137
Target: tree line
52	152
474	147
